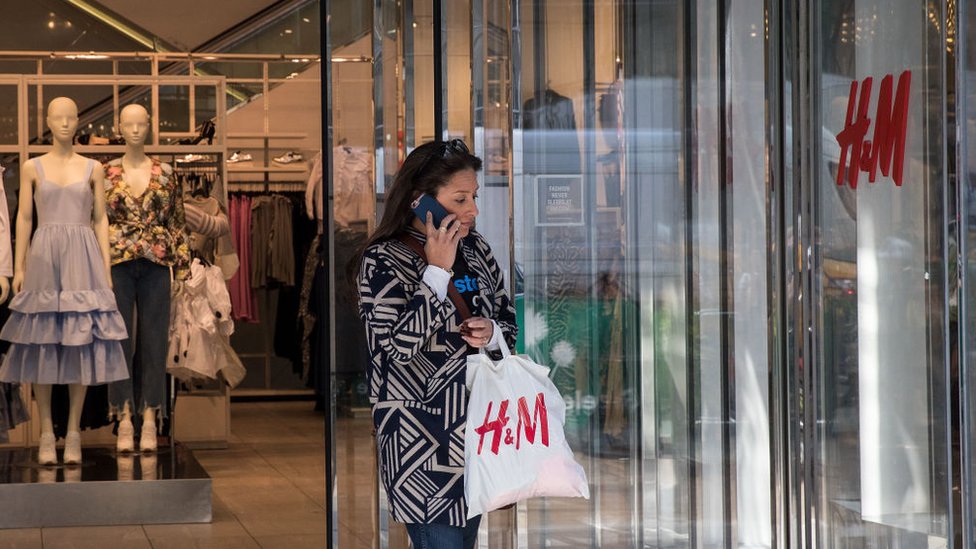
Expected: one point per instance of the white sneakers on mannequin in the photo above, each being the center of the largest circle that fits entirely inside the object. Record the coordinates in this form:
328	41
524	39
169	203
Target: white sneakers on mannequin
147	439
124	442
46	453
72	448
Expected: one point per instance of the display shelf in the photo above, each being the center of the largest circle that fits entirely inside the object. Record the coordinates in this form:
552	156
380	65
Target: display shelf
168	487
120	149
235	168
269	135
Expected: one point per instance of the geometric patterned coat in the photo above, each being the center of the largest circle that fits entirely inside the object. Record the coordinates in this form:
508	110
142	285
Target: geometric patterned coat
417	373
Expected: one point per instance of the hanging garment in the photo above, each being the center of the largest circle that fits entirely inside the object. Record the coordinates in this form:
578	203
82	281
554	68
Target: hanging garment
64	325
306	315
205	221
200	329
272	247
550	141
210	235
6	256
12	409
287	328
314	204
352	183
242	297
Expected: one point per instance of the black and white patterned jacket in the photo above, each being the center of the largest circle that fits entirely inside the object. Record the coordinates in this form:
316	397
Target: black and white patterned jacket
417	374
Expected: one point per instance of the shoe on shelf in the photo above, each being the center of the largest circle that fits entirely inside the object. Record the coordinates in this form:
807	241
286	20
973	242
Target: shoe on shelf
124	442
147	438
187	158
46	453
207	131
239	156
72	448
289	157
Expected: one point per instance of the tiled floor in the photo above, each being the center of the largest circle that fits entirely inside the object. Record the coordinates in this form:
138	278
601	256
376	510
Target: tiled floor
268	492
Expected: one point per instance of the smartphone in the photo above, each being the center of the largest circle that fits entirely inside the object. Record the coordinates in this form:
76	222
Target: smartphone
427	203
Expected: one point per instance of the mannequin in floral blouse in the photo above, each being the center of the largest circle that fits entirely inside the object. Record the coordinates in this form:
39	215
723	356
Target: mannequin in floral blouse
149	252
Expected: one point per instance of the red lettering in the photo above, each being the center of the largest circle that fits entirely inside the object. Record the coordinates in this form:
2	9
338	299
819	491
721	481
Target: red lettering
888	142
851	139
497	425
531	424
890	128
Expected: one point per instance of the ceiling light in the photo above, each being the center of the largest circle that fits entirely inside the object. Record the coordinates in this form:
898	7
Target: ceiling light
306	19
50	24
288	31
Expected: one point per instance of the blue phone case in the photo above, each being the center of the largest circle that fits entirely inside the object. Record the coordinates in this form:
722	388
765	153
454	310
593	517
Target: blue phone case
427	203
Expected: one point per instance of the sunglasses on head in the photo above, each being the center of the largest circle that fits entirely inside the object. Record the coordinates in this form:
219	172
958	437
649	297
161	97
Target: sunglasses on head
445	149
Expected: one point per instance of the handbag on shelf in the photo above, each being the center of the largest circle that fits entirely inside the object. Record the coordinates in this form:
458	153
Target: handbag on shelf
514	443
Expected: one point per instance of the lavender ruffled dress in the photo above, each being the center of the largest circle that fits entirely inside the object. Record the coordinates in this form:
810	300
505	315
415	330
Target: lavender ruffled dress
64	325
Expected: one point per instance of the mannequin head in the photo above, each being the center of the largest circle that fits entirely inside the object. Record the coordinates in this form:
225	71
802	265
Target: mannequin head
134	124
62	119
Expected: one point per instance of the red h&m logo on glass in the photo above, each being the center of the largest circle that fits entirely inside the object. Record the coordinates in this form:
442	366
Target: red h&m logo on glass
529	424
887	145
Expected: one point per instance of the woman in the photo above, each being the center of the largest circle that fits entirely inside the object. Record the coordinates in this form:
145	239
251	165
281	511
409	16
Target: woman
418	339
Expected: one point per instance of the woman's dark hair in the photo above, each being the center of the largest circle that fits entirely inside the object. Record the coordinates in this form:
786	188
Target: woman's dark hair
426	169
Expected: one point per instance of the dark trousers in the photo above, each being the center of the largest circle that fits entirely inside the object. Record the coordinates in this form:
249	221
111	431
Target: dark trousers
442	536
142	292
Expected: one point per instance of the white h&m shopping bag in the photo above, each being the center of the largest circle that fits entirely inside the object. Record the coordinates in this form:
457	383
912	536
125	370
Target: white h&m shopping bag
514	444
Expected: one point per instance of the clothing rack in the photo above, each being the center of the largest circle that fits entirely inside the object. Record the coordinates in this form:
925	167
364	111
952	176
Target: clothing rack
266	186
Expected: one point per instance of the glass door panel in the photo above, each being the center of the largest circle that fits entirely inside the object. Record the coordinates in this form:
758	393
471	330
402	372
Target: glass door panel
880	378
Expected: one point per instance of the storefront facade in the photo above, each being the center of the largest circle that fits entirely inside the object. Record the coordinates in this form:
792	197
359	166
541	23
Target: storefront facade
738	233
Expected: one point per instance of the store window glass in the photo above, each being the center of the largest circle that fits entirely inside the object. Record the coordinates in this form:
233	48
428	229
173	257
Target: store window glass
881	258
963	372
53	25
458	47
8	113
642	251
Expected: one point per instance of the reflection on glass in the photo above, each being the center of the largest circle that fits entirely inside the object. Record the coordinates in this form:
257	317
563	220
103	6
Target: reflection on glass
882	459
963	370
577	306
51	25
174	113
8	115
94	104
352	202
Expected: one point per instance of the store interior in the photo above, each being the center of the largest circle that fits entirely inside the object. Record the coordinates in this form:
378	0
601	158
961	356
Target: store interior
233	97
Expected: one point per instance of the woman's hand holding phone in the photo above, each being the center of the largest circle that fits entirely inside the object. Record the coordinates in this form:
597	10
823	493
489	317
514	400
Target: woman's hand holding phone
442	242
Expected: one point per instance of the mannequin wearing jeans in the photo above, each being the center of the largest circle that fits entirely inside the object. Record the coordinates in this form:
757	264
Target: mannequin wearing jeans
146	233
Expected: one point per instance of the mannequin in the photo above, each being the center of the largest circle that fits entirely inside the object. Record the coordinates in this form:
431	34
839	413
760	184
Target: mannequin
74	339
147	240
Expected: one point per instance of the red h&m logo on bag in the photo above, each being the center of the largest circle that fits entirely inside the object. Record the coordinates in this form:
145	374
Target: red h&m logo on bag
888	142
537	422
